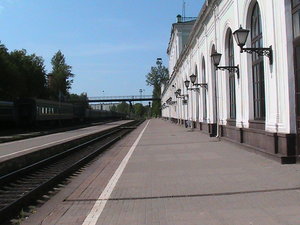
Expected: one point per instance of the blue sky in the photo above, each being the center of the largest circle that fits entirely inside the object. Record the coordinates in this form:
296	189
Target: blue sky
111	45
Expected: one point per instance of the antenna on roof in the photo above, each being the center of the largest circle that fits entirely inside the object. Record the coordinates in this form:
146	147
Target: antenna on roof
183	8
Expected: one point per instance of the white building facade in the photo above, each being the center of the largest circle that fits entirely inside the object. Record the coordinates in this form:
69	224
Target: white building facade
256	106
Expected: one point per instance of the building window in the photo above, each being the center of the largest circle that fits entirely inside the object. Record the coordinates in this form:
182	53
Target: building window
257	66
296	33
230	58
214	85
296	17
204	91
197	95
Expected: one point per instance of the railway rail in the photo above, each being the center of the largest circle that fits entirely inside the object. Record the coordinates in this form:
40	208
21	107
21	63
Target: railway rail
16	134
23	187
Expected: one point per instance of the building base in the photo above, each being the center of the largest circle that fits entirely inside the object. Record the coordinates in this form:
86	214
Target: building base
209	128
278	146
281	147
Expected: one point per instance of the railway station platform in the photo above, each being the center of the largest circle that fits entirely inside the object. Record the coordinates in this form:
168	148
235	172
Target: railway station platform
164	174
18	148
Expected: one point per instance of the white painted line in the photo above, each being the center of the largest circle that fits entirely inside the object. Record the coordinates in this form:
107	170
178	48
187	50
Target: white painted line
48	144
97	209
57	134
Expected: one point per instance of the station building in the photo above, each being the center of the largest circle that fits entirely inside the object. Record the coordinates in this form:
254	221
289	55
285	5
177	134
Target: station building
251	95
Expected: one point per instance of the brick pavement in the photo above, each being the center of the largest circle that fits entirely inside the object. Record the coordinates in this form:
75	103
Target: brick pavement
179	177
13	149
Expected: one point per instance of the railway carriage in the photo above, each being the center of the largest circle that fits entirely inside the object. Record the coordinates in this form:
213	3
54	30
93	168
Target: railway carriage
7	112
31	111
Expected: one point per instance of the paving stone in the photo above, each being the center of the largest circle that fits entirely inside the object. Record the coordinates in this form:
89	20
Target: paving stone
176	177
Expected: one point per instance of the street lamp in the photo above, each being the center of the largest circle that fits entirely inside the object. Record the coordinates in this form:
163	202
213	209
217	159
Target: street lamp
216	57
187	83
241	36
179	95
193	78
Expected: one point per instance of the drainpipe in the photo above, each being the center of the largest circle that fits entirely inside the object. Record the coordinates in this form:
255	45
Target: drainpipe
216	78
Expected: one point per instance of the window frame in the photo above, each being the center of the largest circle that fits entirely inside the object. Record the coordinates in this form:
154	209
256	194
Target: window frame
258	75
204	97
231	77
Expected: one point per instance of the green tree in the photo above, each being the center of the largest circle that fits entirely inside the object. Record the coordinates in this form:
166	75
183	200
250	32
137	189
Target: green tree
82	99
158	75
60	79
29	74
21	75
123	108
139	110
6	78
113	108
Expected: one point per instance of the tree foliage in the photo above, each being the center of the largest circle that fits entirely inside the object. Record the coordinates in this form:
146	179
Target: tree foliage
82	98
24	75
60	79
123	108
158	76
137	110
21	75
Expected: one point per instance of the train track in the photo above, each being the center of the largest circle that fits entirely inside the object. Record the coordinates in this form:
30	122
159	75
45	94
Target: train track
20	134
24	186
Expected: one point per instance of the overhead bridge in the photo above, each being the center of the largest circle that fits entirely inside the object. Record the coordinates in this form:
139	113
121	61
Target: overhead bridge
132	98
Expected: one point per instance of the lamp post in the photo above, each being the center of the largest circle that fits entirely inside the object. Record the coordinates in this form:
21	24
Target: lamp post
241	36
193	79
180	96
216	57
187	84
177	109
141	94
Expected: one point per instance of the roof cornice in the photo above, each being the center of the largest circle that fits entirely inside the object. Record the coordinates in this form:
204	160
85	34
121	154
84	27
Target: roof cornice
204	12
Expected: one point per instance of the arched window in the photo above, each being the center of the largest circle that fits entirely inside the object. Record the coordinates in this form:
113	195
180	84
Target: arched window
296	33
296	17
197	95
230	62
214	83
257	66
204	91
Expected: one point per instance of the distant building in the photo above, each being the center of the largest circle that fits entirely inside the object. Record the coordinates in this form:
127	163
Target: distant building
259	108
104	106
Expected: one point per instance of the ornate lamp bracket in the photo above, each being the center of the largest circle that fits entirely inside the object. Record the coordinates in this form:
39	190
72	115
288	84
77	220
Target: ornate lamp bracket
261	52
230	69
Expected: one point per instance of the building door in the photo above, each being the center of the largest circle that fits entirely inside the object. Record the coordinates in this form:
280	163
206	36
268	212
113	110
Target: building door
297	79
296	33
